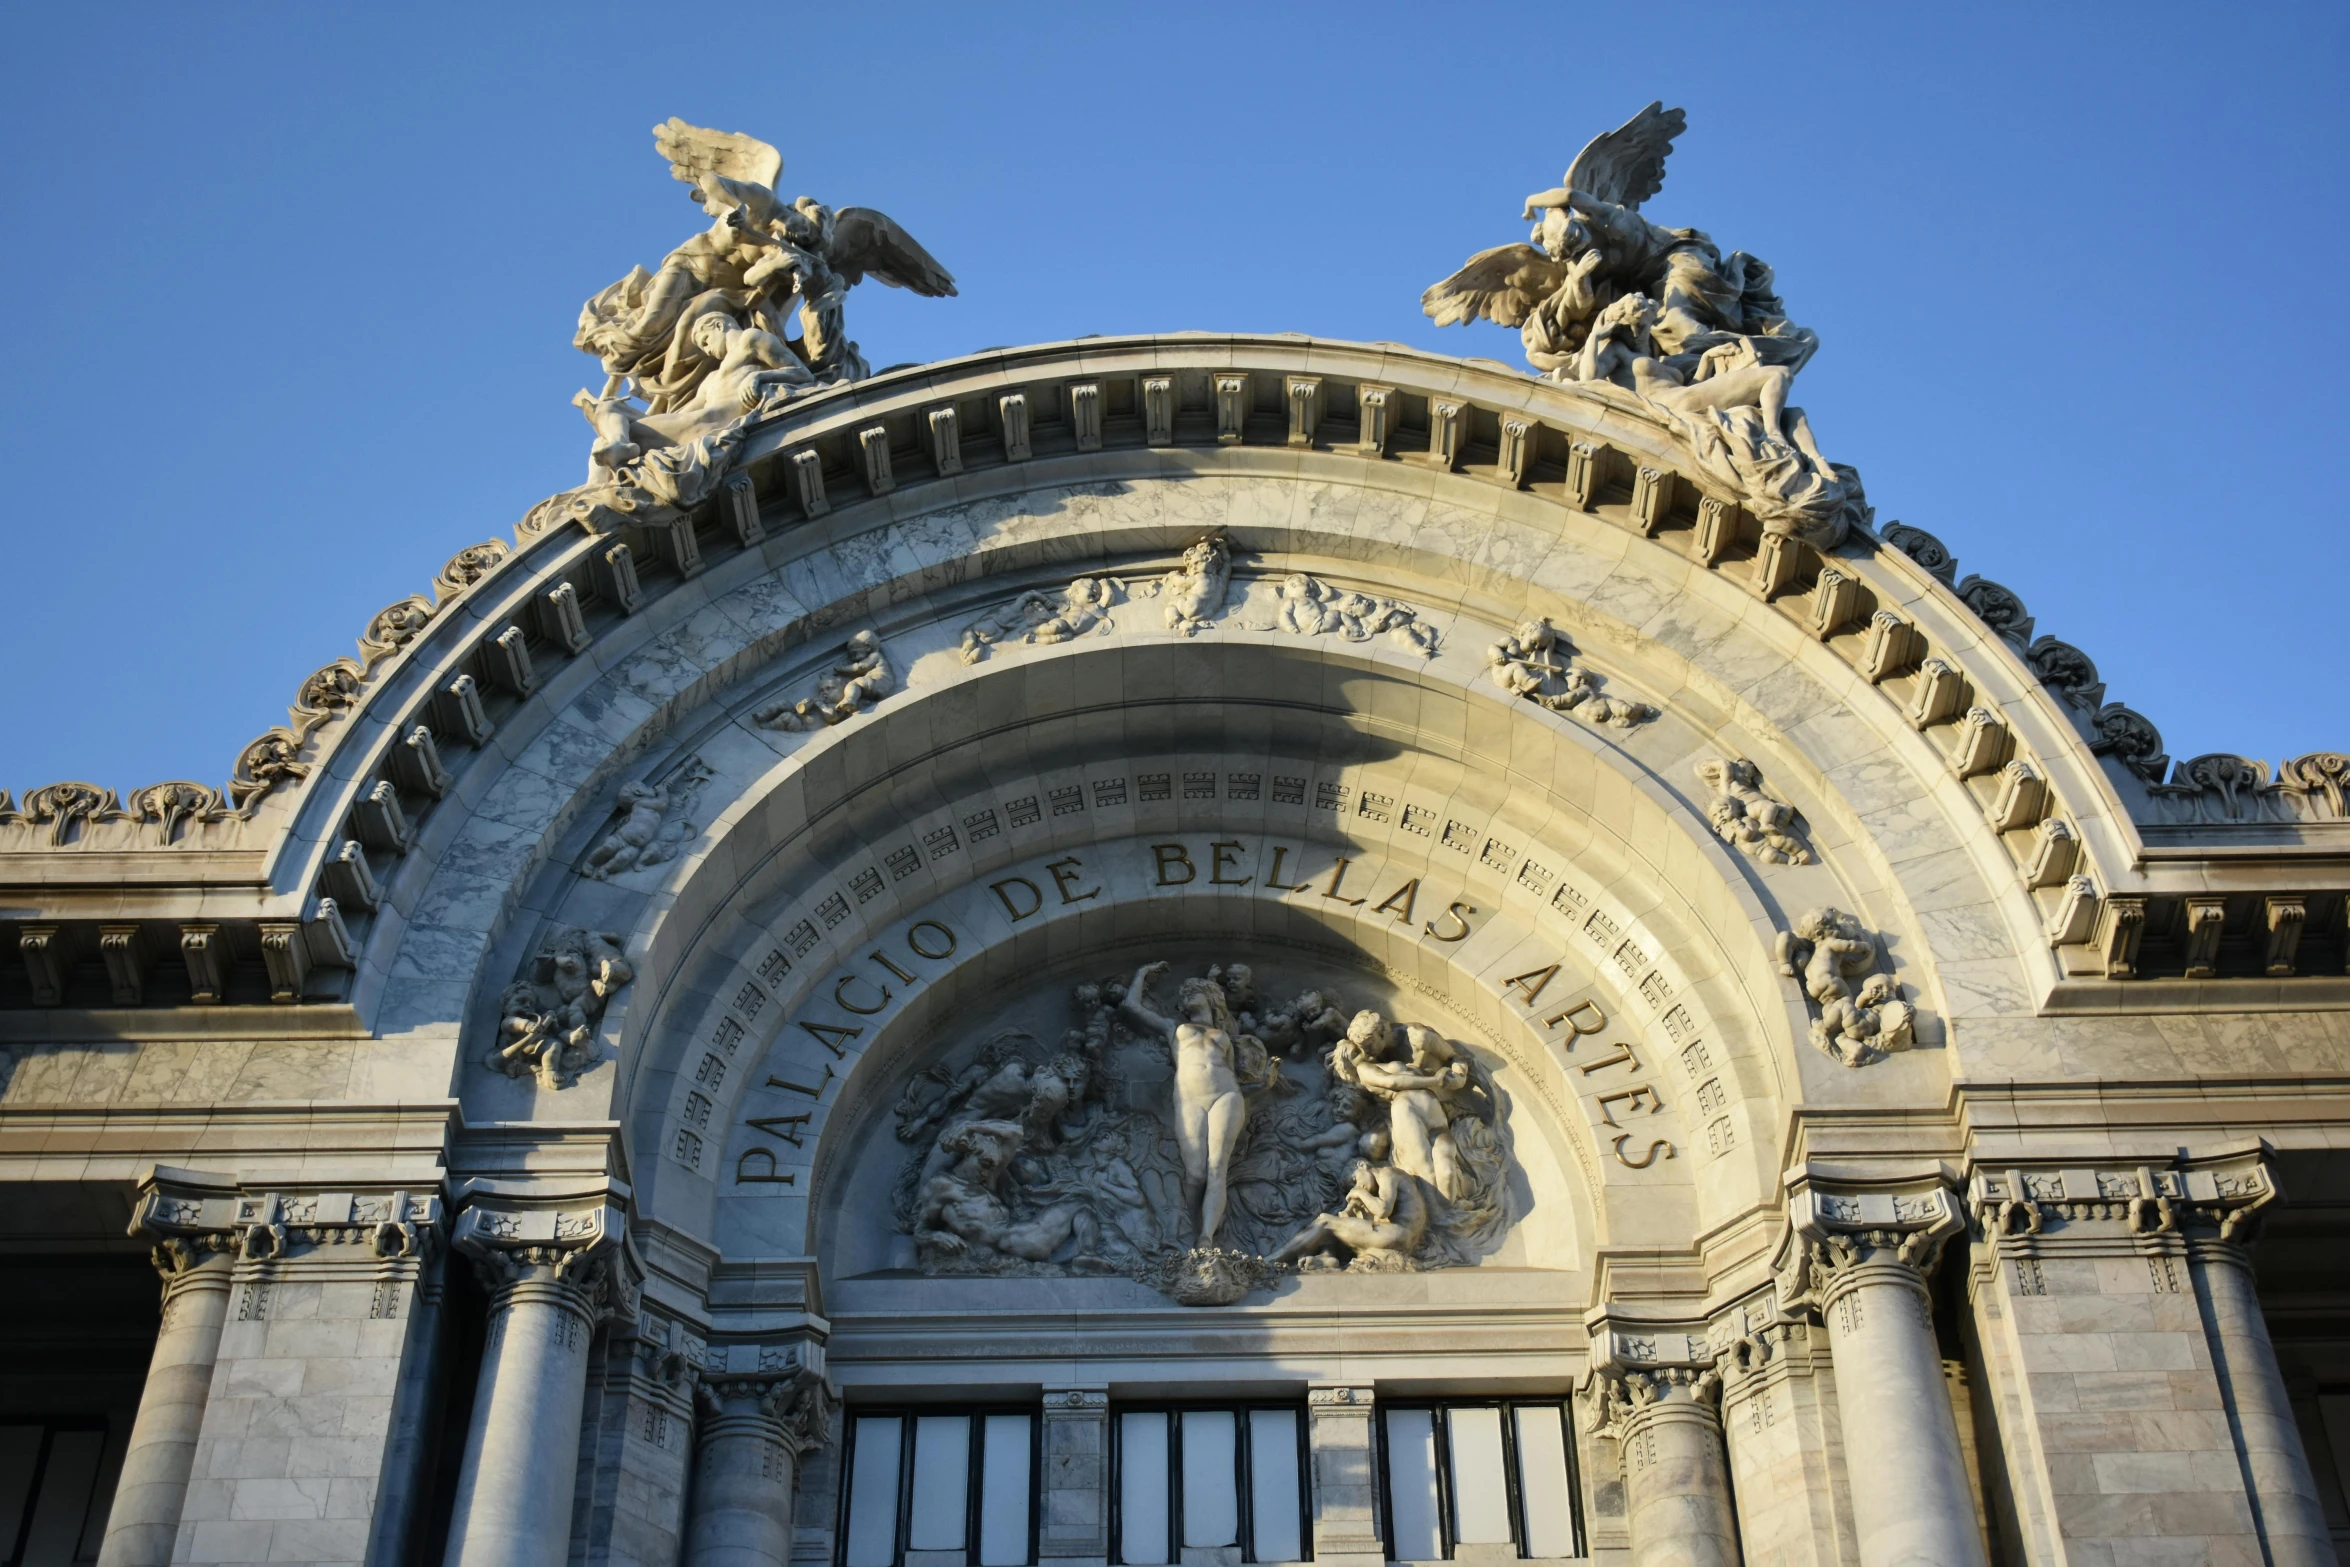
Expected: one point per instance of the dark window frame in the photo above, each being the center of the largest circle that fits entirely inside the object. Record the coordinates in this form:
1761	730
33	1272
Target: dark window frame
1243	1441
51	1427
974	1492
1438	1409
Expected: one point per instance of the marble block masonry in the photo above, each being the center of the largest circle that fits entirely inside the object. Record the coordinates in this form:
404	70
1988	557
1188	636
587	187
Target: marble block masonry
927	959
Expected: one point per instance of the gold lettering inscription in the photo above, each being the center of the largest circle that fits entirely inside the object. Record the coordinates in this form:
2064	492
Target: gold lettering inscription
1224	857
1003	892
1457	913
1066	874
744	1177
1170	856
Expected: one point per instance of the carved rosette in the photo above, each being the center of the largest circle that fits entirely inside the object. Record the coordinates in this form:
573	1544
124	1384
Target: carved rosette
1841	1239
565	1249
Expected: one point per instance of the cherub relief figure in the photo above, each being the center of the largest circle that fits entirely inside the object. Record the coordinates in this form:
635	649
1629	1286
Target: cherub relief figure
859	679
547	1020
1380	1224
1861	1018
1534	663
1747	819
653	824
1080	608
1195	590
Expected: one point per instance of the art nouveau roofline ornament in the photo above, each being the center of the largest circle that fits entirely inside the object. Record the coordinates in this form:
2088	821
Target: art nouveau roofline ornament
1590	444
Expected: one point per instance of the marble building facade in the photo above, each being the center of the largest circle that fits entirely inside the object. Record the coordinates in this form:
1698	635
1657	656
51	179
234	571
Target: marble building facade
1200	949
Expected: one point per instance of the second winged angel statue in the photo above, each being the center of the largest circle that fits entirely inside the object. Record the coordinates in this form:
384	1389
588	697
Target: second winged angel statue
1601	295
703	340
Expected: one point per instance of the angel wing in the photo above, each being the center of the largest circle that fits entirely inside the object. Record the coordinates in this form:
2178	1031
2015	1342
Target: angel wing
868	242
1627	165
1503	285
693	151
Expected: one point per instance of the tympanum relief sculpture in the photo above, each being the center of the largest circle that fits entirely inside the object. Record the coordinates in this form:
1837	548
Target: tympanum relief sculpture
1659	318
1203	1142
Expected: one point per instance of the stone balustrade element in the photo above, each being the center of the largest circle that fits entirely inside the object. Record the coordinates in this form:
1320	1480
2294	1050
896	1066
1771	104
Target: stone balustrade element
1346	1475
1858	1256
2116	1296
555	1262
1073	1503
1658	1396
755	1427
284	1309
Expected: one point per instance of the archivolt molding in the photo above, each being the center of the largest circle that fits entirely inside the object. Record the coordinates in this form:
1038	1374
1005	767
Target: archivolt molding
383	741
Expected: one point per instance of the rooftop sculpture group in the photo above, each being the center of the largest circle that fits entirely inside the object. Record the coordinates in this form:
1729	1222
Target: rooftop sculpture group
1603	298
693	351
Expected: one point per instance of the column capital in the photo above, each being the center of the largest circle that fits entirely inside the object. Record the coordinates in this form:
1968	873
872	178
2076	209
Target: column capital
188	1213
1082	1401
1845	1232
780	1389
1336	1397
2055	1198
570	1242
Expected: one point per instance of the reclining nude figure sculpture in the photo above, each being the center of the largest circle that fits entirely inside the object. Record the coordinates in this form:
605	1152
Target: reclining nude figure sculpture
1209	1109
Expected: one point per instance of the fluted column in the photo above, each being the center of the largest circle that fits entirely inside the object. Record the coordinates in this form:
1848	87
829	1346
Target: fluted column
752	1434
2291	1519
153	1489
1860	1259
553	1266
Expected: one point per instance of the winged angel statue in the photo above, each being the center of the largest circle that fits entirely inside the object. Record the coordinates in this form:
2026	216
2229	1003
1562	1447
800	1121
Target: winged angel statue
691	349
1605	298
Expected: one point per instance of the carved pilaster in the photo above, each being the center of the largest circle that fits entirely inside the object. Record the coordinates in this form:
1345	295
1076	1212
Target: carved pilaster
1074	1496
2116	1261
1346	1475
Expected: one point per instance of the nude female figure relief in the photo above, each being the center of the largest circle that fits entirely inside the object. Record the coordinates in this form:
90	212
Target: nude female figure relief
1209	1110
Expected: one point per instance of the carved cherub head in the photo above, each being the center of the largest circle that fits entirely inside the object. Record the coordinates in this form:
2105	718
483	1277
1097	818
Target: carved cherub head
1369	1033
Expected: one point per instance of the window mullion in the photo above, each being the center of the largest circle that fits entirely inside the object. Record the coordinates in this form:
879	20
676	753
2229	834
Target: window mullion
1440	1425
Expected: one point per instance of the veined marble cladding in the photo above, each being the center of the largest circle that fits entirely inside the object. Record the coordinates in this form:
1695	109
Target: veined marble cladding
1809	1045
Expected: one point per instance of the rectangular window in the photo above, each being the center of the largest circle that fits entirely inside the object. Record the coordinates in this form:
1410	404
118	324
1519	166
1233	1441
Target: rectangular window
950	1486
1478	1472
1228	1477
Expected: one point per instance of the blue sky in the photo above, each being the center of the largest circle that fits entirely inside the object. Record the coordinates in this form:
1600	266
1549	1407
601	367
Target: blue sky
289	292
